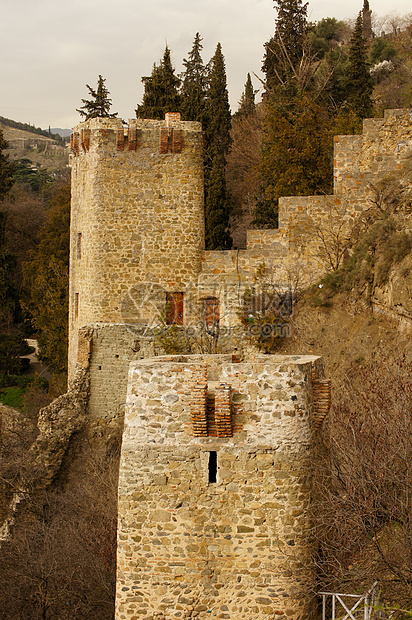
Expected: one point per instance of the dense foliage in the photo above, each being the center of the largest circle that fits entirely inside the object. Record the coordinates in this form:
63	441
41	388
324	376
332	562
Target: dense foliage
7	168
46	278
359	82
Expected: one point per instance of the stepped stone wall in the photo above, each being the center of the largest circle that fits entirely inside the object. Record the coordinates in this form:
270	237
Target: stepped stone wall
231	543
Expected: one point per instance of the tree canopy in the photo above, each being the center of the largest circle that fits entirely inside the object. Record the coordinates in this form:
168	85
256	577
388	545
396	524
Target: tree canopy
284	50
194	83
161	90
100	103
247	100
46	280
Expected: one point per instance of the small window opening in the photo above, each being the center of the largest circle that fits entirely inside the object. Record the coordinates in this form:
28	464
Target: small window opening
212	467
174	308
76	305
79	245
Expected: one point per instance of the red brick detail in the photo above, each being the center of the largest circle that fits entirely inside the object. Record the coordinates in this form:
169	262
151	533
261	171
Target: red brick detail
120	140
198	401
85	139
170	140
176	141
172	117
74	143
174	308
223	411
322	400
164	140
132	142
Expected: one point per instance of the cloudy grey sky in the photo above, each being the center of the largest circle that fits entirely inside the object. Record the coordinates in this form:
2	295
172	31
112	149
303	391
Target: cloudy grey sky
49	49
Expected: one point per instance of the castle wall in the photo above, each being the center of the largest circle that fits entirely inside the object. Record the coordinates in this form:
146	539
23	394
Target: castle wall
234	548
137	232
367	158
137	228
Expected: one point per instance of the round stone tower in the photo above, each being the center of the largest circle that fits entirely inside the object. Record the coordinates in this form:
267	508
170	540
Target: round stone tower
137	222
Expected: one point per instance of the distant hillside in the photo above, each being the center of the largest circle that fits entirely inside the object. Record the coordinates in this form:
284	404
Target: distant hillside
42	149
29	128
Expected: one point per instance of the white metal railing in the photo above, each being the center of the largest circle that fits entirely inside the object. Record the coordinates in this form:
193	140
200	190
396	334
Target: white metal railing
357	600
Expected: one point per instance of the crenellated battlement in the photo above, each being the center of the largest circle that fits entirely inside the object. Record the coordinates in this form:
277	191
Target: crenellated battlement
171	134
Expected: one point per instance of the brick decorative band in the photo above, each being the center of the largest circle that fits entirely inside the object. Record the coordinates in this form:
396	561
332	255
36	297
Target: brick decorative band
321	400
223	410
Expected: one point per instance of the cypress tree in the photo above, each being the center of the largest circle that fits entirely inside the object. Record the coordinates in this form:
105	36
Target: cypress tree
193	89
359	82
367	20
217	207
219	120
284	50
247	100
100	104
217	146
161	90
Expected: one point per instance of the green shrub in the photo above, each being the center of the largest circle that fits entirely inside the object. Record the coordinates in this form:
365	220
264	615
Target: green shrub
12	397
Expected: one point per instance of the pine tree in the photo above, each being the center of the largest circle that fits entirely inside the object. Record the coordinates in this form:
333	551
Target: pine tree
193	89
161	90
359	82
7	168
247	100
284	50
217	146
100	104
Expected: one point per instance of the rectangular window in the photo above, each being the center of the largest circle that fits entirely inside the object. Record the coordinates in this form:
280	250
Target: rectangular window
212	467
174	308
76	305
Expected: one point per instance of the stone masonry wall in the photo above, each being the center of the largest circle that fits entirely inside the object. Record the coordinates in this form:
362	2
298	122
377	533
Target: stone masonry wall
189	546
379	151
137	218
137	232
293	251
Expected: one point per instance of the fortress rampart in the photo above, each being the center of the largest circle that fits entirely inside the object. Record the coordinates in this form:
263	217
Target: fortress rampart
137	235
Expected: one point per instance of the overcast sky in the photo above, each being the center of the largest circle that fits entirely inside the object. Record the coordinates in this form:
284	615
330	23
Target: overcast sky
49	49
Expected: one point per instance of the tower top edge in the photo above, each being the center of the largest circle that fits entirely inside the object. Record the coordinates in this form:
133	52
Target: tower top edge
172	120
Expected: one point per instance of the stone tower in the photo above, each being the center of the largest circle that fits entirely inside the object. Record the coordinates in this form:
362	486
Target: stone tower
137	236
213	489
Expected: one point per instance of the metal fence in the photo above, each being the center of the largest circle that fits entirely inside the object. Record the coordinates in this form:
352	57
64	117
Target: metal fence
361	609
